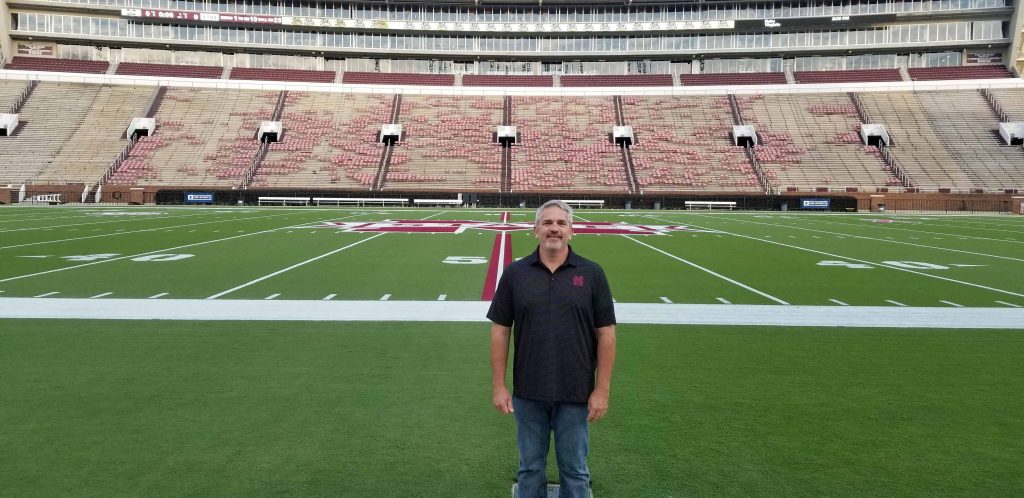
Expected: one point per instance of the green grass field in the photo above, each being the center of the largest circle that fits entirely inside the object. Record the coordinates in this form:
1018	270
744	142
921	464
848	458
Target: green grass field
185	407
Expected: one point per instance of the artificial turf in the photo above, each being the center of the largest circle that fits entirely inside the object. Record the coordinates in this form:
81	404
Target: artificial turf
114	408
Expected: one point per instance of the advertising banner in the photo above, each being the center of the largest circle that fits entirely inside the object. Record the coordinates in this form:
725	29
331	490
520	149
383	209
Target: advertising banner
815	203
198	197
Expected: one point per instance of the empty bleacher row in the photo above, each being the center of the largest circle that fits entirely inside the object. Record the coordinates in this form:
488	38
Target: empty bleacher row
628	80
71	133
9	93
947	140
683	143
813	141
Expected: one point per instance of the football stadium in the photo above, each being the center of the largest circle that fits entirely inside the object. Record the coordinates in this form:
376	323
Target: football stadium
247	248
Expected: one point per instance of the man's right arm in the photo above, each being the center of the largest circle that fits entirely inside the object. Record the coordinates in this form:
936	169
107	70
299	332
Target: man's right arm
499	364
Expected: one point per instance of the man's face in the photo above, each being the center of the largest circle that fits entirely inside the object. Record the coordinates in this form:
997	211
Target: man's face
553	230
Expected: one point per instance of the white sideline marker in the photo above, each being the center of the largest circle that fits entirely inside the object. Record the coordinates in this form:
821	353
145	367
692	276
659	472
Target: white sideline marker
1000	302
665	299
47	294
951	304
723	300
897	303
158	296
840	303
442	297
97	296
385	297
272	296
328	297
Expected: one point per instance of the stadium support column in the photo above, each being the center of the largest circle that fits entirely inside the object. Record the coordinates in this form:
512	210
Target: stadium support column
6	50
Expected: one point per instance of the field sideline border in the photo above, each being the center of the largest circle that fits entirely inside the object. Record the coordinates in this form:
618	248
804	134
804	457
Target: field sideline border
474	311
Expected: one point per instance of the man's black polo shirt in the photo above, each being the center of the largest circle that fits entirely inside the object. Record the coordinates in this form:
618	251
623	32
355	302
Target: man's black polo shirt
555	317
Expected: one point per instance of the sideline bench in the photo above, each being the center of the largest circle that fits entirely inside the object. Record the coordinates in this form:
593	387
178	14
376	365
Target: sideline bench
597	203
284	201
711	204
359	201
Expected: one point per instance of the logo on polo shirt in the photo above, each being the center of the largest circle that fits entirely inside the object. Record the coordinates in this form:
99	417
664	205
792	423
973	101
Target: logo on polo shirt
577	280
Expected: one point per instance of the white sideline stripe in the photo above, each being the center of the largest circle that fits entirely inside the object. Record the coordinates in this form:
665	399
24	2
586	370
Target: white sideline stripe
272	296
158	296
723	300
840	303
1000	302
701	268
442	297
97	296
292	267
139	254
897	303
666	300
883	265
475	311
136	231
385	297
951	303
48	294
329	297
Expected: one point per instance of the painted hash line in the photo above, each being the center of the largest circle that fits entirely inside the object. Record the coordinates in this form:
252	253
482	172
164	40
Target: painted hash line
475	311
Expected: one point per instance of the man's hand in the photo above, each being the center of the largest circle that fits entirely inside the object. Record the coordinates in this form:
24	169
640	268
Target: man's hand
502	400
598	405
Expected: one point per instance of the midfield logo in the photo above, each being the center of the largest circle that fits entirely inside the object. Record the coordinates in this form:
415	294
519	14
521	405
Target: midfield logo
451	226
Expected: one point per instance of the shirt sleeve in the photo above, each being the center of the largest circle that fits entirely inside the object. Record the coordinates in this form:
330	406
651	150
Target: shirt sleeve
501	310
604	307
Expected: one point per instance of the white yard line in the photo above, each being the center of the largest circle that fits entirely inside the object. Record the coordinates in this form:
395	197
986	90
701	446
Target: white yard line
666	300
296	265
840	303
775	225
1004	303
329	297
442	297
385	297
158	296
710	272
272	296
48	294
848	258
897	303
955	305
723	300
118	220
134	231
141	254
475	311
292	267
97	296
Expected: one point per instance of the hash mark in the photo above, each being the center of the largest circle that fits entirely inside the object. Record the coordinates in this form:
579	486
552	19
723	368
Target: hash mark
665	299
897	303
157	296
97	296
951	303
840	303
723	300
47	294
442	297
385	297
328	297
272	296
1000	302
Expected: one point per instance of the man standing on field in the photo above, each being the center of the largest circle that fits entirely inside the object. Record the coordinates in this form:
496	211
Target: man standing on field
564	318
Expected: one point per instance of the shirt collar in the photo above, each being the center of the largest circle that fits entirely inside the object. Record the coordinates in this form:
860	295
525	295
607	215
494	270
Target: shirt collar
571	260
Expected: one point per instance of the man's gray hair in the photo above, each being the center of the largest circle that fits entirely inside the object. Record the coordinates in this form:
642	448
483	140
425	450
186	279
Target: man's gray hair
553	203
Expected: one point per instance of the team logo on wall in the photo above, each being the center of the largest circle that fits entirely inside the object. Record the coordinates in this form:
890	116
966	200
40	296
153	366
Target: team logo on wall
455	226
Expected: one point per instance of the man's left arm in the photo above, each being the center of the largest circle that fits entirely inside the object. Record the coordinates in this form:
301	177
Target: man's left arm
598	402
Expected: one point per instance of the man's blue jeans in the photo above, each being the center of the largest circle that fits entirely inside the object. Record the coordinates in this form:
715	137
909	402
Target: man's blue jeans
534	422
